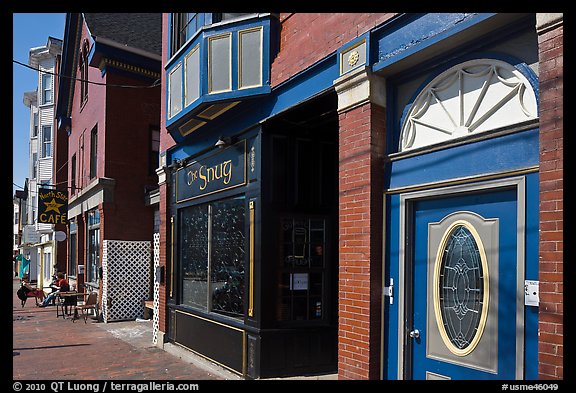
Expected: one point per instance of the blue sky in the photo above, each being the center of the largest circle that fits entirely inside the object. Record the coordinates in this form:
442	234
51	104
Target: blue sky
29	31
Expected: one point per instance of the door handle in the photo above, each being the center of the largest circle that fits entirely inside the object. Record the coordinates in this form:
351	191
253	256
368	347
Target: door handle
415	333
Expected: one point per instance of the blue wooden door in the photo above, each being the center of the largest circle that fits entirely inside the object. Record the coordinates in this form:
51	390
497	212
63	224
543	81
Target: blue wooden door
464	287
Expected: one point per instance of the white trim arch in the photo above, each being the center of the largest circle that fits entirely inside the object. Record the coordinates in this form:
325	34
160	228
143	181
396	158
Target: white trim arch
470	98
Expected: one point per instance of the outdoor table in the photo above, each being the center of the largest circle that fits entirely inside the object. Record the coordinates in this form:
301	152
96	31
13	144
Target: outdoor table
67	299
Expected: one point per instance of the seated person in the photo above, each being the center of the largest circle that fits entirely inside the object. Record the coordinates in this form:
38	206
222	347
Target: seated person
61	286
28	290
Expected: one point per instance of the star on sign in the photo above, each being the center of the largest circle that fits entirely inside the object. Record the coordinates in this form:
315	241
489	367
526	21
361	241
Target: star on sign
53	205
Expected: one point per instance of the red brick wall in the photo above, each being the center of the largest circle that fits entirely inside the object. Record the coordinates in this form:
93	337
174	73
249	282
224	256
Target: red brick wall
165	245
550	326
84	118
361	141
166	140
308	37
129	115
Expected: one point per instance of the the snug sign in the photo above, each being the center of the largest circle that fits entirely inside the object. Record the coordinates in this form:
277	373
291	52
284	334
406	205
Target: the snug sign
218	172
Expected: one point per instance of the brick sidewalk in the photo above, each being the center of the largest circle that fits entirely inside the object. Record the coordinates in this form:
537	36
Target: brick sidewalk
50	348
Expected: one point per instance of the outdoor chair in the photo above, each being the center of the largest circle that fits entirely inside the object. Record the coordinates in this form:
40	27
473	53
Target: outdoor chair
90	304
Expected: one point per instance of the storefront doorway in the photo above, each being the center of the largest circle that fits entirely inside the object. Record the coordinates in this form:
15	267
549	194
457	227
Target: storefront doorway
300	199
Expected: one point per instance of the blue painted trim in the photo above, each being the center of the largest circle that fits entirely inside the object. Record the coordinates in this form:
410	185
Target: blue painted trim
509	152
100	50
414	32
392	252
531	273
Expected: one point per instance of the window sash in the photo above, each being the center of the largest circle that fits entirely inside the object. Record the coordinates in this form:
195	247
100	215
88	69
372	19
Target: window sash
93	255
93	153
46	141
35	129
46	89
72	254
73	175
220	63
34	165
175	90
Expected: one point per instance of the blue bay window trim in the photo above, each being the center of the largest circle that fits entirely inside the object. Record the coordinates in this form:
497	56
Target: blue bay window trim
202	40
316	80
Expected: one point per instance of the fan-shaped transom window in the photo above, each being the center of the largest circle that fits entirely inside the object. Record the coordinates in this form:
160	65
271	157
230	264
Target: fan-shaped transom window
473	97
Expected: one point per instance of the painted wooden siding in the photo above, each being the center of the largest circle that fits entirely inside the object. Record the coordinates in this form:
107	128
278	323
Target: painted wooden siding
45	169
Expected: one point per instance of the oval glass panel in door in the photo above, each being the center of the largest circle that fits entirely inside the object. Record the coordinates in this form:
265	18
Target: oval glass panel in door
461	288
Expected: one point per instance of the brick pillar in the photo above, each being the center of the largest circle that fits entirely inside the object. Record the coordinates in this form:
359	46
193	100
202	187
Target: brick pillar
361	172
550	326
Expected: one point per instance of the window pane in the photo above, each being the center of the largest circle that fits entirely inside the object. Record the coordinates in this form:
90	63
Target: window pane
461	287
192	68
72	255
228	256
47	89
175	89
35	131
191	25
34	164
93	255
93	152
250	58
46	141
219	69
194	257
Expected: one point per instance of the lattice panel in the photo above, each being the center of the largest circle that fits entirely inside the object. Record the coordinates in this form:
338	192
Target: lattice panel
126	279
156	316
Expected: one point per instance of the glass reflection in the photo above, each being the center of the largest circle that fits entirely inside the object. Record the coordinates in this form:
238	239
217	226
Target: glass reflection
194	254
461	287
228	252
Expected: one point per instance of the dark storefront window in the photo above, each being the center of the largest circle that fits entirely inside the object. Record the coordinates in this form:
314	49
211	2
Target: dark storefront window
302	270
213	245
228	251
93	261
194	241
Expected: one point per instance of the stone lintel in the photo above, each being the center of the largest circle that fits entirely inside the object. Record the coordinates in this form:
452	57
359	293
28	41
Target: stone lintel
358	87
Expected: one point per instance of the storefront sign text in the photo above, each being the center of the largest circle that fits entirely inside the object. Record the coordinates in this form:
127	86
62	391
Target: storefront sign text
218	172
52	206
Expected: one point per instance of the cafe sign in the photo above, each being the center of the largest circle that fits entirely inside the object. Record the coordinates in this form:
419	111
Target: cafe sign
52	206
221	171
